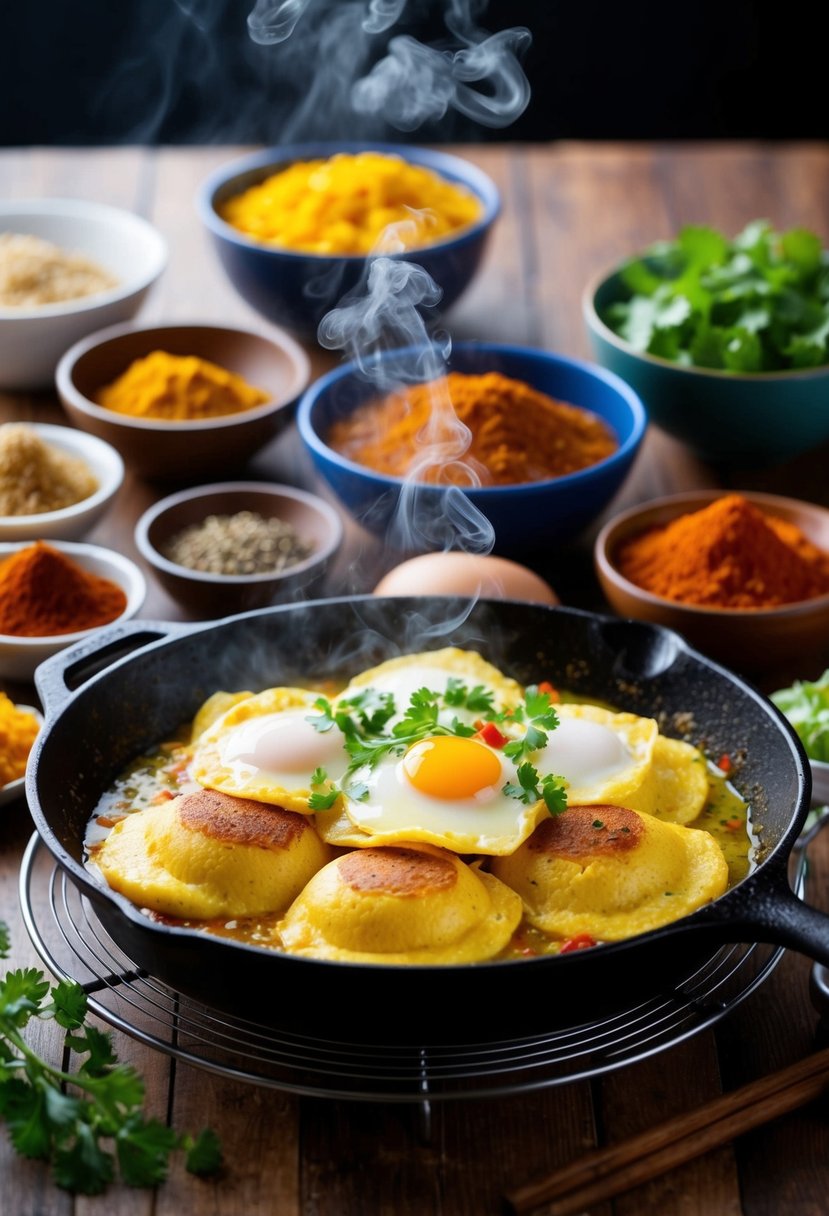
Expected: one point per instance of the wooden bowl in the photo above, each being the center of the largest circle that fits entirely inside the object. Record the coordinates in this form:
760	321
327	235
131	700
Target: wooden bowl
154	447
748	639
207	595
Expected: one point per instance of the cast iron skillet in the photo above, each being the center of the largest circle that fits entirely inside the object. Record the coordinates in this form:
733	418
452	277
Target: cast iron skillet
98	720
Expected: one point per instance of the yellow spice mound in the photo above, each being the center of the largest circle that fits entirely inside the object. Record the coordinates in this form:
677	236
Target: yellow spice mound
178	388
17	734
346	204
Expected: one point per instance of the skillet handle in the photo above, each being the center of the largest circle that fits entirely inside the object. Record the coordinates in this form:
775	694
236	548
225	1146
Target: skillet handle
58	677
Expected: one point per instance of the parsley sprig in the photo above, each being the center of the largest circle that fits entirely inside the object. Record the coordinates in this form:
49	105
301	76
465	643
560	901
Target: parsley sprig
364	718
86	1121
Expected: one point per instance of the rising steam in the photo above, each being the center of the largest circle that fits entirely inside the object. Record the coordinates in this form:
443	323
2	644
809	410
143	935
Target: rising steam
386	315
479	75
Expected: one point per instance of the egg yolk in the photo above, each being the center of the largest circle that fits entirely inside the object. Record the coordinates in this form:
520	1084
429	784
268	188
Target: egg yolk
451	768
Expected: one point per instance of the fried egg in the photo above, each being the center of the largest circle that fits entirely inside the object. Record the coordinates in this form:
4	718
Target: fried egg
433	670
264	747
445	790
204	855
676	785
603	756
411	904
611	872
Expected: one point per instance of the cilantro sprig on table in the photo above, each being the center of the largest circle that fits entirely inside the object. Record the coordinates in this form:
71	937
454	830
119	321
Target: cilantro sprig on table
86	1121
757	303
364	718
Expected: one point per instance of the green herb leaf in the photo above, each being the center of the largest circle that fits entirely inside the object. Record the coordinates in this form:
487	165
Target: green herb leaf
204	1154
69	1118
753	304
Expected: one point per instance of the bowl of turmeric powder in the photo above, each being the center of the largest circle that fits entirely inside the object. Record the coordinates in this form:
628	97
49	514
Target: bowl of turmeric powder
744	576
294	227
56	593
183	401
506	443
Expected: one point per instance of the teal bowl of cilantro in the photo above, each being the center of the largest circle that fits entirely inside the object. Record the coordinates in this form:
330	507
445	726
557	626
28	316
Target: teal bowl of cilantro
726	341
806	705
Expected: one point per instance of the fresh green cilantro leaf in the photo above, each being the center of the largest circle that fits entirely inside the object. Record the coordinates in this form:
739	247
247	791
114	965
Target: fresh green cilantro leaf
143	1147
320	801
101	1056
68	1006
358	791
324	720
480	700
102	1103
374	709
83	1167
554	793
461	729
23	1107
752	304
204	1154
5	944
21	993
539	708
455	693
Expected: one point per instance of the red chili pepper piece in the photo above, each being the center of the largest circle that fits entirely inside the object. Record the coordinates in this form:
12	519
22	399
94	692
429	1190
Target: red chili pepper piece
724	763
582	941
550	689
489	733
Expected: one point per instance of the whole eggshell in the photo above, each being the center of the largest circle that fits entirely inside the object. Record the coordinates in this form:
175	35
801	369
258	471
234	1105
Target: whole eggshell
466	574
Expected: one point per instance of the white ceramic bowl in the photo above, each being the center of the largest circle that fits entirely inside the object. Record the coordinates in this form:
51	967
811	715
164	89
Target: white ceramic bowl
70	523
32	340
19	656
14	789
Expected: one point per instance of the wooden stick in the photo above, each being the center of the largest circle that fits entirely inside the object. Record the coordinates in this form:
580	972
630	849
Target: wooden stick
619	1167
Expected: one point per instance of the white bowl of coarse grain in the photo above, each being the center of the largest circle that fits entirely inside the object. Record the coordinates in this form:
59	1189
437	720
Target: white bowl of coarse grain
210	595
33	338
20	655
70	523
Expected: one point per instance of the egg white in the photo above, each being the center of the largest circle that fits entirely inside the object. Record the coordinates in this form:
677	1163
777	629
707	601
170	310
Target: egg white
265	748
394	810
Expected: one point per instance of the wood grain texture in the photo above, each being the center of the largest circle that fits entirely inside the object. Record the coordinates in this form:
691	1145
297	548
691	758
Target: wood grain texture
569	210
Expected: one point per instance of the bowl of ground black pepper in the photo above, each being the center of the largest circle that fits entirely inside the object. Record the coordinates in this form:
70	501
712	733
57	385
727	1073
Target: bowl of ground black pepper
234	546
55	482
744	576
55	593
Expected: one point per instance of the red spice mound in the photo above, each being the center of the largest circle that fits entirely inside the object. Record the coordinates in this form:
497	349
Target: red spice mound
728	555
43	593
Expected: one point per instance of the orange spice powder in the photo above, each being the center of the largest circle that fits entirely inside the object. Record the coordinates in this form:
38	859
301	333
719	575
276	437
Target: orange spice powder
515	433
727	555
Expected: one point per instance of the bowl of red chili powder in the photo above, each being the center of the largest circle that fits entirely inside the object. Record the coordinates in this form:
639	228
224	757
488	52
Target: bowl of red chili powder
744	576
53	594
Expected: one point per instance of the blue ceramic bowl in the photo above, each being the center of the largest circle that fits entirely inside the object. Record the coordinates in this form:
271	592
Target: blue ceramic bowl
527	517
725	417
297	289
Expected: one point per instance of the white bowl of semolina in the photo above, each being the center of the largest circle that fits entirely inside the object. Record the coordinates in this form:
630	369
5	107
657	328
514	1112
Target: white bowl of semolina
68	267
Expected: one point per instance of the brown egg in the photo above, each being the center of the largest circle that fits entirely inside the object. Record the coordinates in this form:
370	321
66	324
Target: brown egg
466	574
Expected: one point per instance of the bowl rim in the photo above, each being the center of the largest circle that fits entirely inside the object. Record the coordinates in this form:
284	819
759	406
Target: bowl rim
608	569
64	377
76	207
50	433
274	490
457	168
595	323
131	581
625	450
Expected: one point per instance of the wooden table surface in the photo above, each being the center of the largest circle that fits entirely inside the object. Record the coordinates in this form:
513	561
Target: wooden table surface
569	210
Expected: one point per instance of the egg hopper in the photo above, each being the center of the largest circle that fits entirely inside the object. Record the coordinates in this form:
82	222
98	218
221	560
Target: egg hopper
156	675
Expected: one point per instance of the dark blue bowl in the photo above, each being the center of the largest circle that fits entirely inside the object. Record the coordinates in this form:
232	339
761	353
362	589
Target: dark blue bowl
526	517
298	289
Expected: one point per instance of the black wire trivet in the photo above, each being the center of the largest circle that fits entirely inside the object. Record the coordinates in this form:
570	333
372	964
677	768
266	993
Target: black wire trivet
73	944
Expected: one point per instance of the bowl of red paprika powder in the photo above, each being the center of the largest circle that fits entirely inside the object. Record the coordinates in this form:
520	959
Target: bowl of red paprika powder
744	576
55	593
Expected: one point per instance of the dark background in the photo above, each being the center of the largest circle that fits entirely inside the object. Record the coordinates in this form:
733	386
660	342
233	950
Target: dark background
186	71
